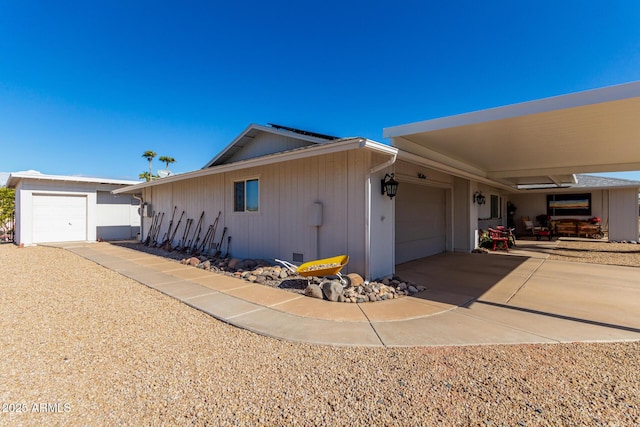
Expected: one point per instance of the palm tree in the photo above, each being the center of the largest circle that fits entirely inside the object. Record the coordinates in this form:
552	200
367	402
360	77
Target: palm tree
167	160
149	155
145	175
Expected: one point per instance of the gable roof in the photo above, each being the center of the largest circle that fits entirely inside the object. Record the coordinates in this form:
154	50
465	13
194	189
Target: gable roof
334	146
249	134
538	142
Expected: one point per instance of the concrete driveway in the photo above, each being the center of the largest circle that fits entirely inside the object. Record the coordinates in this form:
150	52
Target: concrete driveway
512	287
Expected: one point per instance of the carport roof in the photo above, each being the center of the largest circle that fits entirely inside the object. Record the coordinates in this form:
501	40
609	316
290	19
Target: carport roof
545	141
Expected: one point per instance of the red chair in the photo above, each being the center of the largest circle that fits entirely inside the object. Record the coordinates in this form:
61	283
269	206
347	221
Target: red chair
498	236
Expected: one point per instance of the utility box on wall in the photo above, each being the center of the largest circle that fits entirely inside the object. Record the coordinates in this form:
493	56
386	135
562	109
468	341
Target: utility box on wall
146	210
315	215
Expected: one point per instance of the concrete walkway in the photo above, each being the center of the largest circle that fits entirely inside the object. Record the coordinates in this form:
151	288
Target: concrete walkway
471	299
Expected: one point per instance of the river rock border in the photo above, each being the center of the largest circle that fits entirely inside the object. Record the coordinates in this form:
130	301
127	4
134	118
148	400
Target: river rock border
349	288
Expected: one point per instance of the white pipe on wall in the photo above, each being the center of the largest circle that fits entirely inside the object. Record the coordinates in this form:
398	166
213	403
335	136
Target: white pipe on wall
139	198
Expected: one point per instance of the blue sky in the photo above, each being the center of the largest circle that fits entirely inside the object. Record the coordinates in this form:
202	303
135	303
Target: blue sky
87	87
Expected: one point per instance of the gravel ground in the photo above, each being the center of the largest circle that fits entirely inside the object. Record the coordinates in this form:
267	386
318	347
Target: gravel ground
97	348
597	252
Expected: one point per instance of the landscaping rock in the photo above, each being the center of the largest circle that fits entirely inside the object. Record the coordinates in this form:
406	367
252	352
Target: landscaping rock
332	290
348	288
356	279
313	291
242	265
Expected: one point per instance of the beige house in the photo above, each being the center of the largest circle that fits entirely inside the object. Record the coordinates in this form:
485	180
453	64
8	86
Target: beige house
296	195
289	195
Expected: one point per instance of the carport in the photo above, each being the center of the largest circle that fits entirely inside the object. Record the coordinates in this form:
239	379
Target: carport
525	146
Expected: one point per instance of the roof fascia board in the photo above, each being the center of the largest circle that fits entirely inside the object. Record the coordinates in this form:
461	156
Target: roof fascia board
411	147
414	158
572	100
262	129
378	146
42	177
328	148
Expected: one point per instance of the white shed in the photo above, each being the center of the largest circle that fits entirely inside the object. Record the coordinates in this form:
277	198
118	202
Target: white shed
54	208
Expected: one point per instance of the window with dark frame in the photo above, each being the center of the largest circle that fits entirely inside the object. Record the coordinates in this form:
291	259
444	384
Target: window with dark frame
495	206
246	195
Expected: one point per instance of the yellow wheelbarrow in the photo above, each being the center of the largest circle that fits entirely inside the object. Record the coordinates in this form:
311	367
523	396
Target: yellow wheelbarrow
321	267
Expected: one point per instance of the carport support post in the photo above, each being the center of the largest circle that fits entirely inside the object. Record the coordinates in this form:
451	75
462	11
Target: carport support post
473	216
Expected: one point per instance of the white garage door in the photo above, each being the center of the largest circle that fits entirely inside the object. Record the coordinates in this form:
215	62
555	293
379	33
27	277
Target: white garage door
59	218
420	222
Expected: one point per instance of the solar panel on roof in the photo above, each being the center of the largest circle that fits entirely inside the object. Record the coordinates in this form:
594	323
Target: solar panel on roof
303	132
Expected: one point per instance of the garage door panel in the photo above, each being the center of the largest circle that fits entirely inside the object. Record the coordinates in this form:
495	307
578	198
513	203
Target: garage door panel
59	218
420	222
416	230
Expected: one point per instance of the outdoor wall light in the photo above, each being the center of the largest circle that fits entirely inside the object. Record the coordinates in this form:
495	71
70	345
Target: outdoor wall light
479	198
389	186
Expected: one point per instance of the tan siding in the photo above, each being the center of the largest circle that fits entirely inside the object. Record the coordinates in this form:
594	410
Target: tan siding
332	193
358	165
163	203
287	193
623	214
461	221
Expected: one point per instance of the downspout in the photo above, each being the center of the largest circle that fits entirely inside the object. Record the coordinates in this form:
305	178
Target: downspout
135	196
367	210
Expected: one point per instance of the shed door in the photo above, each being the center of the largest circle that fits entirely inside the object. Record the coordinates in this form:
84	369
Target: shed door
58	218
420	222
